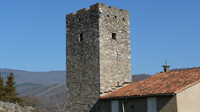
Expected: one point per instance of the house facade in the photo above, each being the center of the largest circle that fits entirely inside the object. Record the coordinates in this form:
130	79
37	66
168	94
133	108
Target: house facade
164	103
175	91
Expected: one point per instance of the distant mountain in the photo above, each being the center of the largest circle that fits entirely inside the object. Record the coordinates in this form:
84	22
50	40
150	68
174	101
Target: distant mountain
140	77
50	95
48	87
24	78
32	78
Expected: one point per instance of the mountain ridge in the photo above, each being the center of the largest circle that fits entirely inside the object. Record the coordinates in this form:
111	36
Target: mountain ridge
22	76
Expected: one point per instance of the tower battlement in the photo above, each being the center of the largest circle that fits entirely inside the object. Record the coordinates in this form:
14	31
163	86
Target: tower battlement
97	7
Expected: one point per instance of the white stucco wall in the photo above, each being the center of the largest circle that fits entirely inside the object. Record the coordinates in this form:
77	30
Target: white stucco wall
188	100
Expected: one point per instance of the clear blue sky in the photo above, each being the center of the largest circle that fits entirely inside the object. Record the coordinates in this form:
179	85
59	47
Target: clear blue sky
32	33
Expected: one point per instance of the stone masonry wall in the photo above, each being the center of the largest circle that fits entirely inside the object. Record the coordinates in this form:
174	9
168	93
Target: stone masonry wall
11	107
83	75
97	54
115	56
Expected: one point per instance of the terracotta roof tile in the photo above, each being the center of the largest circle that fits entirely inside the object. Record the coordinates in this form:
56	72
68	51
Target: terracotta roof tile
161	83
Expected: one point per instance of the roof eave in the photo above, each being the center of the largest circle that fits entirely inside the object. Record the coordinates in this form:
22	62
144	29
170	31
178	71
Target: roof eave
153	95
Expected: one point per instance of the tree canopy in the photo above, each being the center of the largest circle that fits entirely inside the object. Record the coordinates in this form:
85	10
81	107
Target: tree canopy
2	88
8	93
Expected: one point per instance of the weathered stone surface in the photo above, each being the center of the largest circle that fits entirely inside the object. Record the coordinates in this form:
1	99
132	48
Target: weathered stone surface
98	54
4	106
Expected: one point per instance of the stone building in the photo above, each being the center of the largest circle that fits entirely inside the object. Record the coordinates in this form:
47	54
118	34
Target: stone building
169	91
98	55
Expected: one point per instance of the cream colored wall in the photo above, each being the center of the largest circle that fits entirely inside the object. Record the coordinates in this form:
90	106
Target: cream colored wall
188	100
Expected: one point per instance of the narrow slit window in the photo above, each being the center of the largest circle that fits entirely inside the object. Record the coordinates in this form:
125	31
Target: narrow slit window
123	19
114	36
80	37
115	17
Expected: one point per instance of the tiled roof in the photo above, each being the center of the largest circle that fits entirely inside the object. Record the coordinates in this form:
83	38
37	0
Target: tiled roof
161	83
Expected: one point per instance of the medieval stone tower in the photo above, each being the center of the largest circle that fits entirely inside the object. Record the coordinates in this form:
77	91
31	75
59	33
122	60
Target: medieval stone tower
98	54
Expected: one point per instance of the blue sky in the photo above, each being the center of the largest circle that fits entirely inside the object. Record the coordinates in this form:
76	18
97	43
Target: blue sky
32	33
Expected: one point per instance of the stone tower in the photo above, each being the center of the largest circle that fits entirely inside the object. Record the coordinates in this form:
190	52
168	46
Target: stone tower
98	54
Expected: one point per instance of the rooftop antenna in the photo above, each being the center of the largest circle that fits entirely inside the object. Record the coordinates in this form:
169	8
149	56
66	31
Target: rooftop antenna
166	67
167	62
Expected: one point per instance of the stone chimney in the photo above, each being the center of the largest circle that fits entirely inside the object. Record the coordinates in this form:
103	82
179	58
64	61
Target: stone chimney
166	68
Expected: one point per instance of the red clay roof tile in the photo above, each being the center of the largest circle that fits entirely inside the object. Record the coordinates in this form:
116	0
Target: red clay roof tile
161	83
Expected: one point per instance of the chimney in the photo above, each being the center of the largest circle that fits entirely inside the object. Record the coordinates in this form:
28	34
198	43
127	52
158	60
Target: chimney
166	68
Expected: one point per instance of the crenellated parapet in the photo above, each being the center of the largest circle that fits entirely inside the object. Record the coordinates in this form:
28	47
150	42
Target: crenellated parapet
112	8
97	8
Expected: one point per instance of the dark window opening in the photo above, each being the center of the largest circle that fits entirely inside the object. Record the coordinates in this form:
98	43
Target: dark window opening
66	22
114	36
117	83
85	17
132	109
115	17
80	37
107	15
123	19
99	13
79	19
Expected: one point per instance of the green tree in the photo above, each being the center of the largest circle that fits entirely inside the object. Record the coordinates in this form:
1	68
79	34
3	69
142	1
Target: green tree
10	89
2	88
